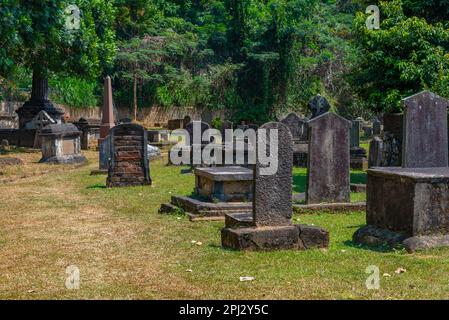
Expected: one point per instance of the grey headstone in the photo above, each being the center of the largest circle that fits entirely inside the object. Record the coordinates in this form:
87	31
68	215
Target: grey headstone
272	205
425	136
186	121
203	127
328	160
297	126
318	105
376	127
375	152
355	134
206	116
105	153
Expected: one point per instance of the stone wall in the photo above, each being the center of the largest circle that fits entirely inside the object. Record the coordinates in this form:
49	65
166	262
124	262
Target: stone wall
149	117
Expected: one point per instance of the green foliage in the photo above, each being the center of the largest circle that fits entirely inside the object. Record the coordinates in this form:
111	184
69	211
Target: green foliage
406	55
73	92
254	59
34	35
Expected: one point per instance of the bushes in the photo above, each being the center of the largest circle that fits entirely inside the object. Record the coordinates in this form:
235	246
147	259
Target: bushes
73	92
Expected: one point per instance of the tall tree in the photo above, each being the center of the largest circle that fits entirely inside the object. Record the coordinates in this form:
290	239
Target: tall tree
68	37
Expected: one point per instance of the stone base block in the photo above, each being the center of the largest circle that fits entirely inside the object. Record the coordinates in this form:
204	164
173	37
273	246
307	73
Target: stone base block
294	237
197	209
168	208
262	238
313	237
359	164
358	188
69	159
374	236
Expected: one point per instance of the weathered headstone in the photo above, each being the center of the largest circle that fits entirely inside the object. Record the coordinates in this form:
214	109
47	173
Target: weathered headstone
271	227
425	138
203	126
297	126
318	105
273	193
355	134
91	132
328	160
129	165
186	121
225	125
206	116
375	152
377	127
105	154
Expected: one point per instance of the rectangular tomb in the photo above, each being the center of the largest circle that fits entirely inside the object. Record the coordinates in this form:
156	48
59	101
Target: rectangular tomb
225	184
411	201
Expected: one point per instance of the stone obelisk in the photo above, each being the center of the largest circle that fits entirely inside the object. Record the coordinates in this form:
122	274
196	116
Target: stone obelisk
107	121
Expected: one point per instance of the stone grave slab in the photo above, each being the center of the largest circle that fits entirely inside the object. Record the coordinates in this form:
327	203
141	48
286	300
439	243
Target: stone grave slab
406	206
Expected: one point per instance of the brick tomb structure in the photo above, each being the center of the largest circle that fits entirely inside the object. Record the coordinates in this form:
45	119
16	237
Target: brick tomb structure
129	164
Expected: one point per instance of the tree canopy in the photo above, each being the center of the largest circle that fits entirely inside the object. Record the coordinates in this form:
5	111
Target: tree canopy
255	59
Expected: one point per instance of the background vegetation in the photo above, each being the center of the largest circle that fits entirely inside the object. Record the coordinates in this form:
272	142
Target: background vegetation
257	59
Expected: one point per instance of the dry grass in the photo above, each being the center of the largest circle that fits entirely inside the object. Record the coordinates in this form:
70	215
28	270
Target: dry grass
125	249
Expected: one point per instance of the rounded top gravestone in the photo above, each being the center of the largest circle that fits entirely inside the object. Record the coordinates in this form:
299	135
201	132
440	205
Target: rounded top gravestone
425	136
297	126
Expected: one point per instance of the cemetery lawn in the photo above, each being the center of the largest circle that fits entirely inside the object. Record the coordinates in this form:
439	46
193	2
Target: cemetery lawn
125	249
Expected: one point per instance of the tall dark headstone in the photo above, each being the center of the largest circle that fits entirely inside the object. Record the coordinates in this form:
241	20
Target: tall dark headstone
375	152
377	127
206	116
297	126
273	193
186	120
425	137
196	147
355	134
328	160
129	165
318	105
270	227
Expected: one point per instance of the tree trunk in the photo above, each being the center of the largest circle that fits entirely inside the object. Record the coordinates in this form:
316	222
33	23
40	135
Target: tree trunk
135	97
39	90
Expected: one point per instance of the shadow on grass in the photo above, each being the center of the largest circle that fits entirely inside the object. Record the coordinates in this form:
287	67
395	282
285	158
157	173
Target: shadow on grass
97	186
300	180
358	177
187	171
385	248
